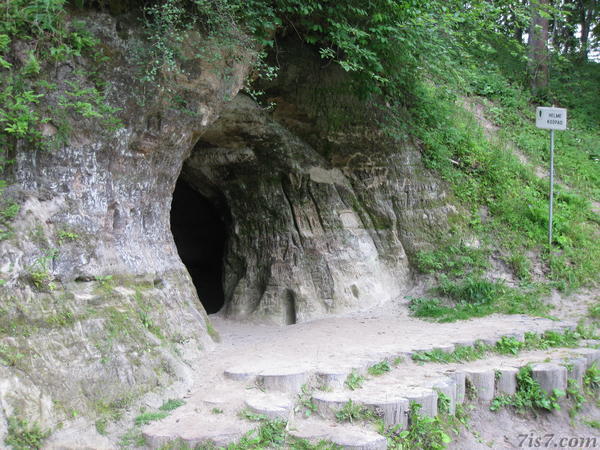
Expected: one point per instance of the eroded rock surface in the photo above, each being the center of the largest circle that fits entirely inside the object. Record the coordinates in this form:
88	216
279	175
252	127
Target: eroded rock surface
97	307
322	219
323	216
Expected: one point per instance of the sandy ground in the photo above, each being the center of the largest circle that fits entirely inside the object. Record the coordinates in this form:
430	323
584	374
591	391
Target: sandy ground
345	340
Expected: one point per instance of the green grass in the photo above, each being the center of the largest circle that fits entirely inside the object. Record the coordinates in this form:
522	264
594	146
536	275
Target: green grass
380	368
453	259
132	438
425	432
505	346
148	417
576	396
484	175
355	412
306	401
459	355
171	404
591	379
593	423
354	381
529	395
22	435
474	296
273	434
594	310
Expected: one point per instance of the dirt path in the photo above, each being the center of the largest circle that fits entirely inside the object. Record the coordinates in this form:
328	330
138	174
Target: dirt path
345	341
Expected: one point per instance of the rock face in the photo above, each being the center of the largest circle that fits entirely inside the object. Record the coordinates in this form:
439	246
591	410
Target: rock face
297	248
323	212
97	307
321	220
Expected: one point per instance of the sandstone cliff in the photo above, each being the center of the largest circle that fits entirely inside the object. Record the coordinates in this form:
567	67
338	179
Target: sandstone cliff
322	212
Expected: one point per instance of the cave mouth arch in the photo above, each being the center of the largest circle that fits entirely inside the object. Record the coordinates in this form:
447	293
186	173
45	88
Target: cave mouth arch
200	232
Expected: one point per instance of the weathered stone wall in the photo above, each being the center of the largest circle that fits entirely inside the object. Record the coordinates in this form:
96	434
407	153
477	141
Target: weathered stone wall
325	208
324	212
97	307
297	248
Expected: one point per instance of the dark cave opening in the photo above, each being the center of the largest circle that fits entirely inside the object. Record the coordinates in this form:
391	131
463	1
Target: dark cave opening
200	234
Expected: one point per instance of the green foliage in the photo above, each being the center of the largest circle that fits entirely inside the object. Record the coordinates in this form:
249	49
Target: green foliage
453	259
144	310
148	417
529	395
43	23
424	432
443	403
171	404
63	318
485	174
270	433
105	282
39	271
591	379
101	425
22	435
306	401
273	434
35	36
576	396
472	290
166	23
474	296
65	235
520	265
9	355
354	381
353	412
593	423
594	310
380	368
132	438
460	354
507	345
210	329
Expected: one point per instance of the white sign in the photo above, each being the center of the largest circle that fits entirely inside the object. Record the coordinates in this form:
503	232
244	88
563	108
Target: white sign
551	118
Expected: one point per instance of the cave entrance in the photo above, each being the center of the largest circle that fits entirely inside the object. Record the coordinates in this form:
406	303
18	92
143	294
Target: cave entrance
200	234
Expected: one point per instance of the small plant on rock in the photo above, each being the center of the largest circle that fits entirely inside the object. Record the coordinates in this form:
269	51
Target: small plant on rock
591	379
380	368
171	404
443	403
146	418
352	412
22	435
575	394
423	431
529	395
305	399
354	381
508	346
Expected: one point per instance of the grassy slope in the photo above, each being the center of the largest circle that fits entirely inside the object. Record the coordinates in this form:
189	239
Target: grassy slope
487	176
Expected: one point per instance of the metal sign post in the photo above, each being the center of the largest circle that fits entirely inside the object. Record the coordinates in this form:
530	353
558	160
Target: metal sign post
551	187
551	119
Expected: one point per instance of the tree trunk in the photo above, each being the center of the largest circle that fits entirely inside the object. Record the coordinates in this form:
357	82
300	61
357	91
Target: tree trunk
585	32
538	45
